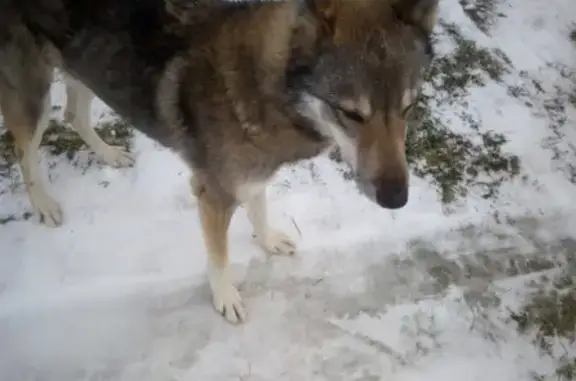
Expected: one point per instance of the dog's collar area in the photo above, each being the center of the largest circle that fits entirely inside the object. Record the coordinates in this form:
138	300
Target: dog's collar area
315	111
307	128
303	124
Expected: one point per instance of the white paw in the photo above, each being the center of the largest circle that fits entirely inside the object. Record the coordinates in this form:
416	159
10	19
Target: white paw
48	208
226	298
115	157
228	303
276	242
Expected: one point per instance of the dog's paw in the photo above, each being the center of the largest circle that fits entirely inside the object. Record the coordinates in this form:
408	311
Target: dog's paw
47	208
225	297
116	157
276	242
228	303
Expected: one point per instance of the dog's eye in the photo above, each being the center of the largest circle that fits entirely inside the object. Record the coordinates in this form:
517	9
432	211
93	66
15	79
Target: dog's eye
352	115
408	109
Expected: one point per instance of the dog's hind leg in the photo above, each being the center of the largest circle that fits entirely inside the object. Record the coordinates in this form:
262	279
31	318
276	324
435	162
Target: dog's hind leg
26	75
77	113
215	216
26	116
271	240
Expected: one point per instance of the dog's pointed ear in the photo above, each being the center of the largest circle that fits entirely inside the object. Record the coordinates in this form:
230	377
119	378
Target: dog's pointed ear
420	13
326	11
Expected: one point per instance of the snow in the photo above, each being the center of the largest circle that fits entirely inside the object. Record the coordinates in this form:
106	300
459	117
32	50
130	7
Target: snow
119	292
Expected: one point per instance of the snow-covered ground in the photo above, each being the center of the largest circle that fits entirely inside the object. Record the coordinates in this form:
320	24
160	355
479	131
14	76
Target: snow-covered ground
119	292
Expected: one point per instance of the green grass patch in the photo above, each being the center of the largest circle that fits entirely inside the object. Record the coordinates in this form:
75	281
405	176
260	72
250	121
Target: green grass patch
483	13
456	162
551	314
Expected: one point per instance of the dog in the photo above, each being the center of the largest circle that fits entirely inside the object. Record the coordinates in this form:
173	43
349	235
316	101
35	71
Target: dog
28	130
303	75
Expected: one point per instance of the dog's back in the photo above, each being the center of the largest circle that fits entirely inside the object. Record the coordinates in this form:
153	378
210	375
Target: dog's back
120	47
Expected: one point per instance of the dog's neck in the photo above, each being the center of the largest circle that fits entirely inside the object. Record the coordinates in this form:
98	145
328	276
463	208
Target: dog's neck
310	130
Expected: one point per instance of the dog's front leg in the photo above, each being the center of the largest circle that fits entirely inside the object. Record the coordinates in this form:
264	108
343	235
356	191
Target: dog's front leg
215	216
79	99
271	240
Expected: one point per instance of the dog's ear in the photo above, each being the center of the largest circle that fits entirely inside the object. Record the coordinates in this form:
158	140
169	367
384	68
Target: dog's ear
326	11
420	13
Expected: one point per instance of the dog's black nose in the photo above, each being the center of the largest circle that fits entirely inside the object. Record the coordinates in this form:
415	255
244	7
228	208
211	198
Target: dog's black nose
392	195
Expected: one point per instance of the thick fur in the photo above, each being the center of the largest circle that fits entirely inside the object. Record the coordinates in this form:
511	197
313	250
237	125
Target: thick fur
238	90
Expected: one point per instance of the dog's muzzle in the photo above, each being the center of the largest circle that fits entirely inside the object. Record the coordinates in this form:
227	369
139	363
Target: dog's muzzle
392	194
387	193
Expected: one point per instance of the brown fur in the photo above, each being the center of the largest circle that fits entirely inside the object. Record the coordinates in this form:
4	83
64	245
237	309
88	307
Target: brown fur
269	50
253	64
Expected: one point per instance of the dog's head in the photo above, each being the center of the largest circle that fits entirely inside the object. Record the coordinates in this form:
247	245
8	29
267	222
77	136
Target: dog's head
366	76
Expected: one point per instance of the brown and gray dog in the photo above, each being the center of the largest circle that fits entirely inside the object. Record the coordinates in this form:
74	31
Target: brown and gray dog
237	90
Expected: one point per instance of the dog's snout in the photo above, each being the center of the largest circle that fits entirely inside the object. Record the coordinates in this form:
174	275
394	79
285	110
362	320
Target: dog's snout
392	194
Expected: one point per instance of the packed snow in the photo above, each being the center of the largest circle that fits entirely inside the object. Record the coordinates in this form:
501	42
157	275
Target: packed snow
119	291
